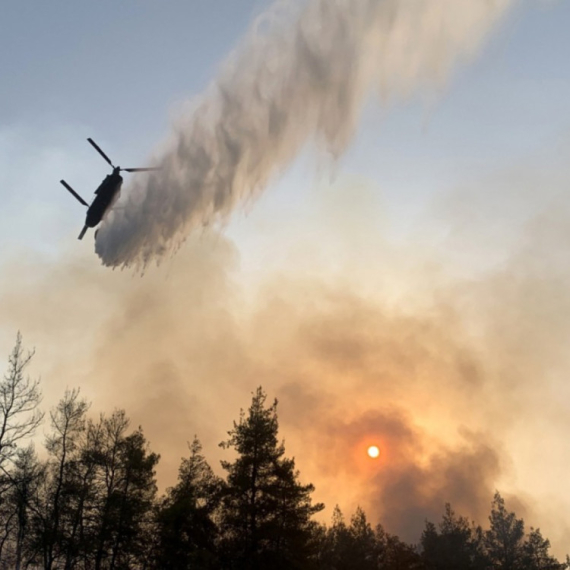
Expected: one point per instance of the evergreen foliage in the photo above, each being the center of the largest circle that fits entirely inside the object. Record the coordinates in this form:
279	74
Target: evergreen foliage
186	533
265	513
455	544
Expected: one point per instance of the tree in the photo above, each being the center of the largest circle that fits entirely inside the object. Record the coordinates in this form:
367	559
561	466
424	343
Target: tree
92	506
265	512
19	400
363	547
135	495
336	544
19	418
456	544
8	526
82	494
64	447
17	508
185	517
118	532
394	554
504	540
349	547
107	482
536	553
28	476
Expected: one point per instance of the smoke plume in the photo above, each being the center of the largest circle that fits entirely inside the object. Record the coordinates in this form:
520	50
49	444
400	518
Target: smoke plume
461	381
301	76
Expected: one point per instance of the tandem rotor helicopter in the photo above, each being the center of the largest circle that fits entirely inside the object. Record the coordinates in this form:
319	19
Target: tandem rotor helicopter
105	195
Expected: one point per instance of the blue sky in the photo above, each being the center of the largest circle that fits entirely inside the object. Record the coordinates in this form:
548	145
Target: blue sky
115	65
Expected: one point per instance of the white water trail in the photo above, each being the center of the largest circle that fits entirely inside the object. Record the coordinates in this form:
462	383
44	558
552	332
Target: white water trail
302	74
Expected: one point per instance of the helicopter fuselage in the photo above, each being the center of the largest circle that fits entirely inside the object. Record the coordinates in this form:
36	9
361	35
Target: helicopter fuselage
105	195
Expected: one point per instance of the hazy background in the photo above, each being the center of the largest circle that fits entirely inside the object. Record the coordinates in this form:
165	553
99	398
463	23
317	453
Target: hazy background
414	297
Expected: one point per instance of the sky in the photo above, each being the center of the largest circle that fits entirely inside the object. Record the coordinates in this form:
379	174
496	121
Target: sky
411	293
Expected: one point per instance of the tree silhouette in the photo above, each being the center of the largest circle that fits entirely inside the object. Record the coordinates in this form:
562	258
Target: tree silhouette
456	544
185	527
68	421
535	553
394	554
363	547
504	539
266	513
335	548
17	507
19	400
345	547
122	520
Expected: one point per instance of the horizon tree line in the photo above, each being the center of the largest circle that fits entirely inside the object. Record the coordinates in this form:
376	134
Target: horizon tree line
92	502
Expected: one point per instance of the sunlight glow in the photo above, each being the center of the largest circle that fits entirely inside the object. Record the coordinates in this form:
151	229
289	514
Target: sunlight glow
373	452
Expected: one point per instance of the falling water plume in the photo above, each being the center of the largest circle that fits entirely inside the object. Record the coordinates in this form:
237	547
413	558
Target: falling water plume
301	75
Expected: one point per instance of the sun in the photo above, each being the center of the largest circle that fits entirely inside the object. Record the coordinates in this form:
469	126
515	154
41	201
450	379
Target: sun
373	452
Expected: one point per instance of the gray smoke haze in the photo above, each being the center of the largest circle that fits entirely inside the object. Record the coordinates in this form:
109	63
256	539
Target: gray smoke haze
301	76
460	380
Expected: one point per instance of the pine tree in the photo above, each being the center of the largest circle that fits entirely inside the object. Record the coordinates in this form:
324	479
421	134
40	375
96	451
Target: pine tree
504	539
394	554
364	549
456	544
335	548
185	527
266	513
536	554
349	547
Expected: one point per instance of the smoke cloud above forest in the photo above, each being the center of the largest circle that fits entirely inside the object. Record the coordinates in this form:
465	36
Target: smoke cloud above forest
451	376
301	76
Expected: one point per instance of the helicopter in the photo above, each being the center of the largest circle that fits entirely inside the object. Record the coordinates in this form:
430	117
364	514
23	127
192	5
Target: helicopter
105	195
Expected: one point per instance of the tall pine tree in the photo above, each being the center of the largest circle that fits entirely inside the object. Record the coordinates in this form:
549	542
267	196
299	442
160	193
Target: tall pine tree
266	513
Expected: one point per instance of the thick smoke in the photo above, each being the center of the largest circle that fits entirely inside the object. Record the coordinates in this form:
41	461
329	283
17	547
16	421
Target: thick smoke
461	381
301	76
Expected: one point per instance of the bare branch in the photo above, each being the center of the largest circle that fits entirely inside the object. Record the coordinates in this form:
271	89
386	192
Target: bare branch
19	400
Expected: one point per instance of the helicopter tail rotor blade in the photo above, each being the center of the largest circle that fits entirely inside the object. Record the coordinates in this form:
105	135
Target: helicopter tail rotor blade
82	232
139	169
94	144
77	196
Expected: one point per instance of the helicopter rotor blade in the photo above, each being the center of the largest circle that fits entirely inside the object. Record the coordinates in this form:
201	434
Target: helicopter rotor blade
77	196
101	152
82	232
139	169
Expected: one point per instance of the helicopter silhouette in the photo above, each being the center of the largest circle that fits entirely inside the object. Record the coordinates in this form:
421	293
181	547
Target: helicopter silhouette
105	195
